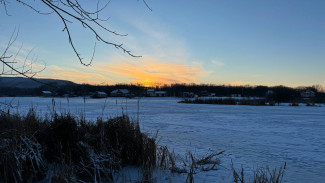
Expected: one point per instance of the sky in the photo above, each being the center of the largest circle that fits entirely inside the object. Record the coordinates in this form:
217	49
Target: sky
249	42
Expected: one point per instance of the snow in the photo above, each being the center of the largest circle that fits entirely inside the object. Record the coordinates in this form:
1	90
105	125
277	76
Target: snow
46	92
235	98
252	136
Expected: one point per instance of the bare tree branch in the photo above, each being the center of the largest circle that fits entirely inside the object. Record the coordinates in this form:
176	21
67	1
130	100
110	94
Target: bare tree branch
31	7
12	67
72	10
145	2
4	3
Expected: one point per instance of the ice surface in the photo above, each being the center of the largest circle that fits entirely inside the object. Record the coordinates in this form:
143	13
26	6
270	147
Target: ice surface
252	136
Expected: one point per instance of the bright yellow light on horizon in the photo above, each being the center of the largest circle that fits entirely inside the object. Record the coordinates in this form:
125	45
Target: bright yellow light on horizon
148	83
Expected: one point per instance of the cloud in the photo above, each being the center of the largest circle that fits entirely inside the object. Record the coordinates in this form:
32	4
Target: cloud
16	48
155	40
75	75
151	70
145	71
217	63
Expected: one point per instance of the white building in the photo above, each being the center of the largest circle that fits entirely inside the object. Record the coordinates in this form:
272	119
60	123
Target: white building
161	93
235	95
120	93
151	92
187	94
46	93
100	94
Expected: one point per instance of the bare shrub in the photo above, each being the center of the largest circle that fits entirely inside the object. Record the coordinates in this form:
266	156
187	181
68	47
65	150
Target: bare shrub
21	159
261	175
86	151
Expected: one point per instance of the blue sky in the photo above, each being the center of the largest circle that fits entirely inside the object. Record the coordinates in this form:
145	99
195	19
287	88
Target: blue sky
185	41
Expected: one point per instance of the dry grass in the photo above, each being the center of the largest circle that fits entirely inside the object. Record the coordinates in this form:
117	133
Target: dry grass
79	150
261	175
190	165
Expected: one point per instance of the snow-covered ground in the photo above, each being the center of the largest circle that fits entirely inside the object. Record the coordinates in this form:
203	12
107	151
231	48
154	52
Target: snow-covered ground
252	136
236	98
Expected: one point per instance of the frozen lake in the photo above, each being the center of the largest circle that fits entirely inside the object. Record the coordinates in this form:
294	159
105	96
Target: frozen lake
252	136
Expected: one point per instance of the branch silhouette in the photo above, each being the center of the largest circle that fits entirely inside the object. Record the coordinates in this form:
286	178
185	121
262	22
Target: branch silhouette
70	11
10	66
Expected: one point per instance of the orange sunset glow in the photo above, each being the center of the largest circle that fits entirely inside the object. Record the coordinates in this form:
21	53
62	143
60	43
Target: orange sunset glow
145	72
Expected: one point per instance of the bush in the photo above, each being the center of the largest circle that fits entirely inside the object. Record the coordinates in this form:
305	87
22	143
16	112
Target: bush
261	175
88	150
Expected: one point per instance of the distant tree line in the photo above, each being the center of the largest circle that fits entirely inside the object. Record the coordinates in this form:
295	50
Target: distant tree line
276	94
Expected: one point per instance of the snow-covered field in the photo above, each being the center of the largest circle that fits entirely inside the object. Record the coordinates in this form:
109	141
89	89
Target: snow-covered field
252	136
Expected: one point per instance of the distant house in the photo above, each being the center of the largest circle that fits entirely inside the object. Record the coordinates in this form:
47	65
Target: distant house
151	92
269	92
161	93
307	94
100	94
120	93
235	95
187	94
47	94
204	93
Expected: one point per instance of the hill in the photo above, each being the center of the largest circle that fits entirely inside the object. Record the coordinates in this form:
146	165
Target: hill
21	82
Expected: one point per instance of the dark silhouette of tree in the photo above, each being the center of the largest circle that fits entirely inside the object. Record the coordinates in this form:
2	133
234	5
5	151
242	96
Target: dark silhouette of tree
74	11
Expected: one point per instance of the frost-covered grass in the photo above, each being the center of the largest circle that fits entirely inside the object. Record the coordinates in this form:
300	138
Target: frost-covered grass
260	175
68	149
